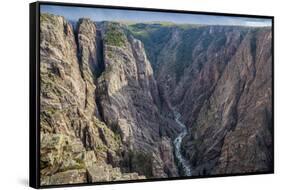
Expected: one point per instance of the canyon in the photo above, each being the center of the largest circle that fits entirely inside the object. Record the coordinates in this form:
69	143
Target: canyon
140	101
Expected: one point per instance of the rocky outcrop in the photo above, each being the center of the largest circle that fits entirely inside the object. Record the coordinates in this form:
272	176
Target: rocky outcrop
88	62
60	153
73	137
61	160
130	102
89	48
66	177
105	172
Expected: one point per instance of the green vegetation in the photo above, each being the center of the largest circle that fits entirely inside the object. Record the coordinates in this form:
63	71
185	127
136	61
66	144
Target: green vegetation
113	139
117	138
50	111
48	18
156	35
43	18
78	164
141	162
153	36
49	85
100	148
110	55
188	26
185	49
114	35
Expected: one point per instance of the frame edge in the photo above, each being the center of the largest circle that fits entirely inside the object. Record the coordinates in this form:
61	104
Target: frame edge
34	178
34	110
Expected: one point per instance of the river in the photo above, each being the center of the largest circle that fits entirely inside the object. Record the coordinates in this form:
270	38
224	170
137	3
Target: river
182	162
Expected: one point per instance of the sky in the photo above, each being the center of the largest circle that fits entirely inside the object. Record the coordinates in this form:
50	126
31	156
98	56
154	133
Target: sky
103	14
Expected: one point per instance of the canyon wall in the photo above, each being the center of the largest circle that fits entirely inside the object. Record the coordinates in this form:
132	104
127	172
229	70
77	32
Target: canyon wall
220	80
100	118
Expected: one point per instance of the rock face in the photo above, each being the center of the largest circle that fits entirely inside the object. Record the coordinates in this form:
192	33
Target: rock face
109	92
73	136
234	124
130	103
219	78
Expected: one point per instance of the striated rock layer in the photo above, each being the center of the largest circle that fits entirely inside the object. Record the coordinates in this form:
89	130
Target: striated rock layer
130	103
99	94
234	124
73	138
220	80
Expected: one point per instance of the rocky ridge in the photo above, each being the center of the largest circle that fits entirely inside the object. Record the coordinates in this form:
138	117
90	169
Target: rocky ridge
100	104
69	114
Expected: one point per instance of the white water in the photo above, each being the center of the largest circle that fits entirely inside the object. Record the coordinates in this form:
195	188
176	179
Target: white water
177	144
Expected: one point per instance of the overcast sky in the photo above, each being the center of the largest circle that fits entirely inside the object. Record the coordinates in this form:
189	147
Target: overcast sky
101	14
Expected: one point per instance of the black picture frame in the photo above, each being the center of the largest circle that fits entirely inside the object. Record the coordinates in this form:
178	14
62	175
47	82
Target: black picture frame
34	91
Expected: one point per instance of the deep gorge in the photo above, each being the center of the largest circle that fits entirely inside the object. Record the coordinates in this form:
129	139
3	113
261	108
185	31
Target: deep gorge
109	92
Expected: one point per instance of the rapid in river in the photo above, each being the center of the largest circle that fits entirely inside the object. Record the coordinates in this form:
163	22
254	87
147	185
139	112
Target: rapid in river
182	162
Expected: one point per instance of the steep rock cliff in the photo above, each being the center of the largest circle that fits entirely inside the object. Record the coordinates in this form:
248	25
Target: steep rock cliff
69	116
235	122
219	79
130	103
